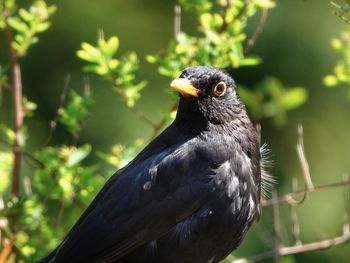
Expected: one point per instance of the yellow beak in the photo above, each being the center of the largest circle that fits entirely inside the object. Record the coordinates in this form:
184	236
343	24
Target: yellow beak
184	86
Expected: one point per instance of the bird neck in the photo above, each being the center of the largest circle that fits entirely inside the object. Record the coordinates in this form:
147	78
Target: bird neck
190	119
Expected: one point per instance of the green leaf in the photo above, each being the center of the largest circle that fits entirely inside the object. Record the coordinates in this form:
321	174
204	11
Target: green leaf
113	64
8	133
293	98
6	159
205	20
90	57
91	50
78	155
17	24
330	81
76	110
112	46
52	9
25	15
151	59
42	27
250	61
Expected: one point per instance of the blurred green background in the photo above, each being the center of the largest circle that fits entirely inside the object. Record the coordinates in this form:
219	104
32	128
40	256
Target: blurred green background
295	47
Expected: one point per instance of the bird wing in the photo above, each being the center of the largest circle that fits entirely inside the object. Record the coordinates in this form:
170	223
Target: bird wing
137	205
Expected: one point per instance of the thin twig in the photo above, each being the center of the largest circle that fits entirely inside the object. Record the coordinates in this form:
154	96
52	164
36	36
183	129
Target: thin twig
224	21
33	161
60	213
162	122
288	197
298	249
347	199
252	40
63	98
302	158
295	220
7	250
18	115
177	21
142	117
277	227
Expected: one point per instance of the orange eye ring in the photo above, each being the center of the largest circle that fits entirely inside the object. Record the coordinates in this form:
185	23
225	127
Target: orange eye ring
220	89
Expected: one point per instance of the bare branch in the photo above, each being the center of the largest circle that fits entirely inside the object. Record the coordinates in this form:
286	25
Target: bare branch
290	196
162	122
63	98
262	21
31	160
276	226
295	220
143	117
283	250
224	23
303	162
298	249
177	21
18	115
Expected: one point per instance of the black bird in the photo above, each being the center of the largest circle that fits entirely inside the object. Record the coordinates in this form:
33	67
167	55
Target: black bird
189	196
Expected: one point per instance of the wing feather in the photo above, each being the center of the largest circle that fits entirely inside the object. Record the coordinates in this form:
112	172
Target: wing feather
126	214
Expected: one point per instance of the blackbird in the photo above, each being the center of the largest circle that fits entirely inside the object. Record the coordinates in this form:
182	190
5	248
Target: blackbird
188	196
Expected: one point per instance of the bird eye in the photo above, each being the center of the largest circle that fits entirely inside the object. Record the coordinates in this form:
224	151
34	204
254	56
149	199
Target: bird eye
220	89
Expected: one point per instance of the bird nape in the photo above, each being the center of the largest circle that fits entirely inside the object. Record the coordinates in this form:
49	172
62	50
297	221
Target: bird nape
188	196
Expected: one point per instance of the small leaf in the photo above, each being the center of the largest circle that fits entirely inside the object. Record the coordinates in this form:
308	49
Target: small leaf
25	15
83	54
78	155
91	50
151	59
336	43
17	24
330	81
52	9
205	20
250	61
42	27
113	64
112	45
293	98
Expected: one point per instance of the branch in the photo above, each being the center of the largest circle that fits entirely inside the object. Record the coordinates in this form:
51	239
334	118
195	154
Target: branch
16	87
302	159
290	196
142	117
280	249
297	249
162	122
63	99
177	21
262	21
224	23
31	160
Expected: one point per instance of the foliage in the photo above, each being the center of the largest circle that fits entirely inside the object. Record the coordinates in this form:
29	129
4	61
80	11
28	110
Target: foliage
341	71
60	178
342	9
121	155
120	72
26	23
270	99
221	41
73	114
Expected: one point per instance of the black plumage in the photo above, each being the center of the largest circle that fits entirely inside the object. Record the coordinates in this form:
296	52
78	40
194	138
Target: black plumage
189	196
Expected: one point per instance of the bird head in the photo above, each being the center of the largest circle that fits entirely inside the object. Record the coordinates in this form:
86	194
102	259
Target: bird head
207	95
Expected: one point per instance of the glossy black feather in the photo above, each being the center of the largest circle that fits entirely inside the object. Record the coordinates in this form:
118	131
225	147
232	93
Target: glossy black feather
189	196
